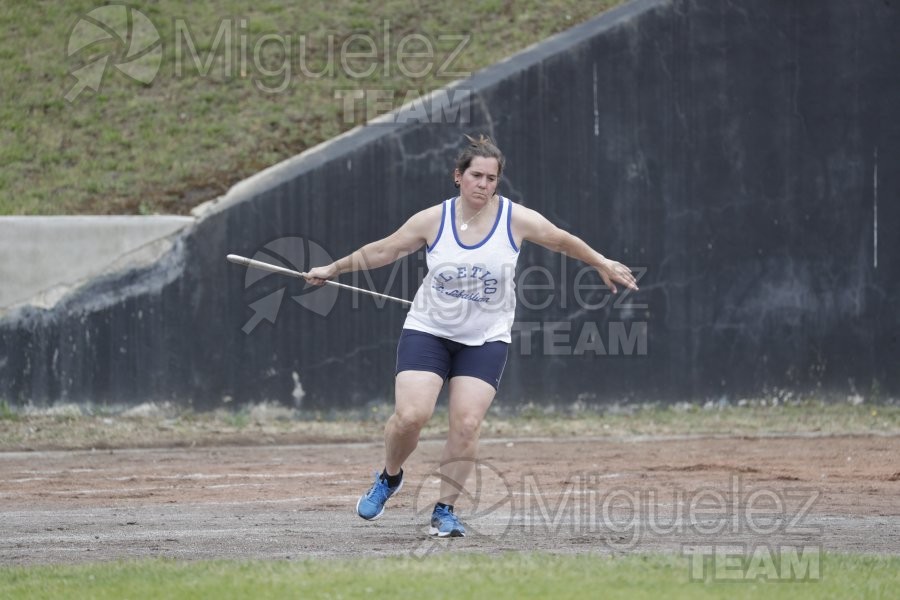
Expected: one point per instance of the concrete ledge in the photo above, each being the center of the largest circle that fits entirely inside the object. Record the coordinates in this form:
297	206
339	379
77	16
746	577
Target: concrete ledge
45	257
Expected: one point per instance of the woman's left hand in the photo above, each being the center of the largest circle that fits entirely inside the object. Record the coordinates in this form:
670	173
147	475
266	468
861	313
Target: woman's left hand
614	272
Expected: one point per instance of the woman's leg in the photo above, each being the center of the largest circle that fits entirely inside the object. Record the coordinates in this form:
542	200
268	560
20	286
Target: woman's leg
415	395
470	398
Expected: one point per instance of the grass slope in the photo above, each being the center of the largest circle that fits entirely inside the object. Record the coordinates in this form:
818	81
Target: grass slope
185	137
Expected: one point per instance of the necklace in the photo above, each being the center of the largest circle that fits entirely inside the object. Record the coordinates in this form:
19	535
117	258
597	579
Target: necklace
465	225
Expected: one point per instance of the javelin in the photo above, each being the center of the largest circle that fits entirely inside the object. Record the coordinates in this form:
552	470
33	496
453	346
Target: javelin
256	264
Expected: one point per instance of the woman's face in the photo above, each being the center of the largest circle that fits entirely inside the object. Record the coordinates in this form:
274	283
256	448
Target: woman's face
479	182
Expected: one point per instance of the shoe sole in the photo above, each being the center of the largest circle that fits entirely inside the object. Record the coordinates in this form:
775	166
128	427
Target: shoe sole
438	533
378	516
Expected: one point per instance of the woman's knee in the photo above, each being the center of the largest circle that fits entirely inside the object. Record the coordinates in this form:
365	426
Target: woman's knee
410	419
466	426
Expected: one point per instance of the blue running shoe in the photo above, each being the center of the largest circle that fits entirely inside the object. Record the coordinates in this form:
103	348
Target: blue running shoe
371	504
445	524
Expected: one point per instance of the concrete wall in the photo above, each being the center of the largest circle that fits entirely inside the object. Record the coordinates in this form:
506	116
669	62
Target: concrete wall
44	258
744	154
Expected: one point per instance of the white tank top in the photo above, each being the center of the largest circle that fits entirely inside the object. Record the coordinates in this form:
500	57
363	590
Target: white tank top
469	293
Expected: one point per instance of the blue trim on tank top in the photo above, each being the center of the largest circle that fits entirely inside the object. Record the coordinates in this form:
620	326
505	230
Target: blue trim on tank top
512	240
440	229
482	242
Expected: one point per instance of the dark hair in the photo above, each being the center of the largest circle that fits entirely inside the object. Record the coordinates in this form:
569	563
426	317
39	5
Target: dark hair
483	147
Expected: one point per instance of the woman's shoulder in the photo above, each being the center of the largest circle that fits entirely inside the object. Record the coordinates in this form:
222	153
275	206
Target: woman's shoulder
518	206
431	212
520	211
427	219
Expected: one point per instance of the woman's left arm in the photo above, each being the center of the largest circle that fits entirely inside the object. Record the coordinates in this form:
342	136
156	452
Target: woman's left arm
532	226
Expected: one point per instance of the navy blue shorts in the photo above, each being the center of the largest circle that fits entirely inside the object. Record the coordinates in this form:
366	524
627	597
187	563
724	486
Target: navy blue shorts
420	351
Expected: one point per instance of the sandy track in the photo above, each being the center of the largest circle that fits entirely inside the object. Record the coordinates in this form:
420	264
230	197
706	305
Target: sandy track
562	495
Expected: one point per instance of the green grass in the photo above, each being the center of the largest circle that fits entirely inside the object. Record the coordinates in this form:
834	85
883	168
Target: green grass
7	413
808	416
72	427
445	576
166	146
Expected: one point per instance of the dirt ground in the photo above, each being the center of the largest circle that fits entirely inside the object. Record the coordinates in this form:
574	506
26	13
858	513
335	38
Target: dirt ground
629	494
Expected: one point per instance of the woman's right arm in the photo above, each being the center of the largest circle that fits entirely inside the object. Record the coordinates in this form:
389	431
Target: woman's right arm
411	236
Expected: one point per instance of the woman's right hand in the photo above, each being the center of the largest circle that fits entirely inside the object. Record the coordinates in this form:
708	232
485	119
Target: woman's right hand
319	275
